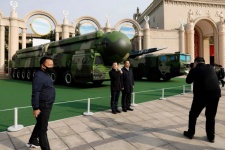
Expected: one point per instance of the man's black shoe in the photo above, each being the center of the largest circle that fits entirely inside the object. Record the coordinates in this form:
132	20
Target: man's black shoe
114	112
187	134
31	145
124	110
130	109
211	140
118	111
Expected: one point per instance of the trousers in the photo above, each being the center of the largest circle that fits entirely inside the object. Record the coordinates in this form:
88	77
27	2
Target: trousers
126	100
114	100
210	104
41	127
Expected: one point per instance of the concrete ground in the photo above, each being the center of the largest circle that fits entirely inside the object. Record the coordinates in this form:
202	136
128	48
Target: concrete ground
4	76
155	125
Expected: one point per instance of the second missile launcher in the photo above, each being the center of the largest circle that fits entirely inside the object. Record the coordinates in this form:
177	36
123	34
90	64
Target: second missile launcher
161	65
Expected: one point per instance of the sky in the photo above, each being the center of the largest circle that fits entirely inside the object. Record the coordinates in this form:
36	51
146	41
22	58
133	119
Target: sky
116	9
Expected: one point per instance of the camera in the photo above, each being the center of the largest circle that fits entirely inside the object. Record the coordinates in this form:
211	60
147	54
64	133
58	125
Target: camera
191	65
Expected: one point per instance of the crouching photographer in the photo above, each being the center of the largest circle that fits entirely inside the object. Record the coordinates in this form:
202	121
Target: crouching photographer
206	93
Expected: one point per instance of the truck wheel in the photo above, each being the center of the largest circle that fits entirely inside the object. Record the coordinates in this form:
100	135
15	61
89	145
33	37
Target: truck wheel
167	77
13	73
68	79
53	76
34	72
137	74
97	83
18	74
28	74
23	74
154	75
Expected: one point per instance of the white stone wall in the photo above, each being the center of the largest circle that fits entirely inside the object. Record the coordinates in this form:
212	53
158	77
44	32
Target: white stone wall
173	12
205	16
164	38
156	18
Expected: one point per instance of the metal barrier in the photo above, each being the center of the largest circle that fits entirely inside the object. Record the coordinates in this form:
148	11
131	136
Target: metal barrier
17	127
133	100
162	98
183	90
88	113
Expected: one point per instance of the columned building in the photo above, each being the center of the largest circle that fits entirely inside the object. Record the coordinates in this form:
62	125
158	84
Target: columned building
17	36
195	27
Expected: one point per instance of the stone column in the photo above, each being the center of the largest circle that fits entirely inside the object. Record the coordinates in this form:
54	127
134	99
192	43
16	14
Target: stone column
216	48
190	40
56	36
24	38
107	27
181	42
222	44
139	43
206	52
2	49
14	35
65	29
146	40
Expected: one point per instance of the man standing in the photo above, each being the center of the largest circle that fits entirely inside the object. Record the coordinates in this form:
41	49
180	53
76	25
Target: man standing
43	97
115	86
206	92
127	86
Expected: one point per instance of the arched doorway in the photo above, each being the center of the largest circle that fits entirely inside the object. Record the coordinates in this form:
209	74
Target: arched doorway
204	37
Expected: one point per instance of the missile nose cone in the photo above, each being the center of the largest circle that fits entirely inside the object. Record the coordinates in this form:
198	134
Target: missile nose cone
116	47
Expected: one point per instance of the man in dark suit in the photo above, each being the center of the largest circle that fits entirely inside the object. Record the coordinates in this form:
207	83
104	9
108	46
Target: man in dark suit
115	86
127	86
43	97
206	92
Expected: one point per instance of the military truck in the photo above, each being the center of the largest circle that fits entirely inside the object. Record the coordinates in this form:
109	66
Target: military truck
85	58
157	66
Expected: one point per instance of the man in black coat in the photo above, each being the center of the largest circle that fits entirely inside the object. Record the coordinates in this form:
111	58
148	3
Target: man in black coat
115	86
43	97
206	92
127	86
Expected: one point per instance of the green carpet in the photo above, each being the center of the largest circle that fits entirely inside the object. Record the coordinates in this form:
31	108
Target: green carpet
15	93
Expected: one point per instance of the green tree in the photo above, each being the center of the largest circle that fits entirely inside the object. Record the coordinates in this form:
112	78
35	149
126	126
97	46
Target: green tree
50	36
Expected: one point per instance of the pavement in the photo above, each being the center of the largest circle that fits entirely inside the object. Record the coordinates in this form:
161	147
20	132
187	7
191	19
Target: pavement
4	76
153	125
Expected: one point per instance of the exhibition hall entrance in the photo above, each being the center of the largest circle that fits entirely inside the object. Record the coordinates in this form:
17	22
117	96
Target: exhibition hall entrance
204	37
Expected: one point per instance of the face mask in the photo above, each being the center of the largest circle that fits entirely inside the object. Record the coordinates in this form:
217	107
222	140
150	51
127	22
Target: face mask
49	70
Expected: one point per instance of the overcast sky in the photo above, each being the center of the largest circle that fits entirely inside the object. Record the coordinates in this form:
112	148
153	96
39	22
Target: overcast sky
117	9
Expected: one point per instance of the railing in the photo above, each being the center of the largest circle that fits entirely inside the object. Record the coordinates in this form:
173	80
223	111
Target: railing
17	127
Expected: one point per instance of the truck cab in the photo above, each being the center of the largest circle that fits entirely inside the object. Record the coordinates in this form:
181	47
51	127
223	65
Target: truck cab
157	66
172	65
88	66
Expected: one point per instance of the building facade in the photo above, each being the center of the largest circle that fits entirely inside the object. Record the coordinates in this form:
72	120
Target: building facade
195	27
18	31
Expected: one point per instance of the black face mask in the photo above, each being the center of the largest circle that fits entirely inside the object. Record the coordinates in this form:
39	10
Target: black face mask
48	70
